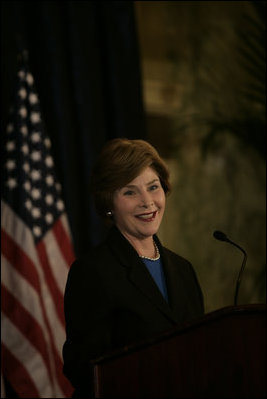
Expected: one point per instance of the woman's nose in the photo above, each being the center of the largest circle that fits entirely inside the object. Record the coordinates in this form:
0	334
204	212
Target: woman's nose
146	200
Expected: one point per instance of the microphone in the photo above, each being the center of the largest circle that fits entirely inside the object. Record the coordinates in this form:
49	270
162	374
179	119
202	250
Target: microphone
219	235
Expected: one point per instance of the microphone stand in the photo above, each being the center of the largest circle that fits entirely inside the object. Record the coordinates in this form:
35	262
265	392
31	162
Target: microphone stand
222	237
241	270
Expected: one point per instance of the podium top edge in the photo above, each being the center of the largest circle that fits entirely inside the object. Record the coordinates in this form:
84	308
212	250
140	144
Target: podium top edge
215	315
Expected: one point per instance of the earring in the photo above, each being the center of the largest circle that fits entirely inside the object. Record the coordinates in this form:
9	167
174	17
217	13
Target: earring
109	213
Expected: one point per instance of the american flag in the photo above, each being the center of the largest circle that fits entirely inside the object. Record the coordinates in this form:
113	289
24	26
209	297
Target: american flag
36	253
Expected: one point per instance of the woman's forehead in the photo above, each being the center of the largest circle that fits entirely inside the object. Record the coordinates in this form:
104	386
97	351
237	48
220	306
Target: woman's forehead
146	176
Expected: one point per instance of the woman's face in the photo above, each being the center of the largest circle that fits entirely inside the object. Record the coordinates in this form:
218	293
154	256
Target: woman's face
138	207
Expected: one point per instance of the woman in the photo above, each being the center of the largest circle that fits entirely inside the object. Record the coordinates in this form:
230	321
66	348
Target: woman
129	287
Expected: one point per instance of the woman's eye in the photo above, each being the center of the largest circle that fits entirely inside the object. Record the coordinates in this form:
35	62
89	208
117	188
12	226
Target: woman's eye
129	192
154	187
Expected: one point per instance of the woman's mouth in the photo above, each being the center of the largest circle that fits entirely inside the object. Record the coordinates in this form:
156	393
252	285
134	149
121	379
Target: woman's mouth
147	217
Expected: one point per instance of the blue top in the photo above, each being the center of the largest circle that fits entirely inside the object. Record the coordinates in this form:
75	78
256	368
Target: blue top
156	270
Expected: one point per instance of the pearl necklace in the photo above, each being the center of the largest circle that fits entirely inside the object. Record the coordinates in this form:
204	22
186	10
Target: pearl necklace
157	253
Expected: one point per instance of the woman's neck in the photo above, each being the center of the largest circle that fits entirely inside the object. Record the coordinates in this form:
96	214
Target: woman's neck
144	246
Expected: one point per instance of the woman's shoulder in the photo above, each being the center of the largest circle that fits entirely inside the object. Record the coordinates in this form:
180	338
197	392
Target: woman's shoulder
170	254
93	253
178	262
88	269
175	256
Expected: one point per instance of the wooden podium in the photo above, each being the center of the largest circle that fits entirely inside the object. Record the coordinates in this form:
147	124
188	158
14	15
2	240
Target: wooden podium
222	355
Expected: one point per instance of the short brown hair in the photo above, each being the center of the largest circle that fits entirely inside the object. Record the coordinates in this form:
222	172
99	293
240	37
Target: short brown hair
120	161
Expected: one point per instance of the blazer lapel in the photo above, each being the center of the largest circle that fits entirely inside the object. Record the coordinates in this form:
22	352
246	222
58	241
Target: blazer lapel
137	272
142	279
176	290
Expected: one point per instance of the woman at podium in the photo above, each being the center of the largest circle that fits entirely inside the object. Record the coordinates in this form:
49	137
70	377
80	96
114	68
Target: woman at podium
129	287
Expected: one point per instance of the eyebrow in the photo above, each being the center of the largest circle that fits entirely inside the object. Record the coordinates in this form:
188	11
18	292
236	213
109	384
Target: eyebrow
147	184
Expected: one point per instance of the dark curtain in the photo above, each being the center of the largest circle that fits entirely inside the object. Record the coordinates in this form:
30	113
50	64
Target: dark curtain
85	62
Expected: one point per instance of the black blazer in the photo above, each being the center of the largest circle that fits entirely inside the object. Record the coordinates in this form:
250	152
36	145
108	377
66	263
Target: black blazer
111	300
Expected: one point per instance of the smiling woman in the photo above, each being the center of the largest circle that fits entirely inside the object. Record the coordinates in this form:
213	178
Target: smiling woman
129	287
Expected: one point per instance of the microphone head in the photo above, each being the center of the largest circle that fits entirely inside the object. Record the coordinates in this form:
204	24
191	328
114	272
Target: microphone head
219	235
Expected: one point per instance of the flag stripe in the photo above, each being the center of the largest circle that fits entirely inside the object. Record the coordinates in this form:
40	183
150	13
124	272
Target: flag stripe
27	325
56	352
64	384
56	330
58	265
52	285
15	227
21	347
9	220
18	375
65	224
28	271
29	298
20	260
23	292
63	240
